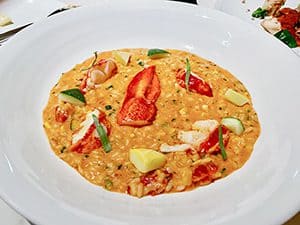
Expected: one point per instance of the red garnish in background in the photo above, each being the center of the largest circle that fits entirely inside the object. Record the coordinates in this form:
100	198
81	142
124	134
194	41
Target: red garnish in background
290	20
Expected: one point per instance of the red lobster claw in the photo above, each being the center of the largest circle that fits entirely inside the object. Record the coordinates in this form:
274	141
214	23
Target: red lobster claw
139	108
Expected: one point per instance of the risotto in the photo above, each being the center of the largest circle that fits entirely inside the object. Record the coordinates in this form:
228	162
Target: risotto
150	121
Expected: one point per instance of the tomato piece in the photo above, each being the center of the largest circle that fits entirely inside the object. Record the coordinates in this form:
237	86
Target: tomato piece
90	142
196	84
204	173
148	178
212	143
60	114
138	107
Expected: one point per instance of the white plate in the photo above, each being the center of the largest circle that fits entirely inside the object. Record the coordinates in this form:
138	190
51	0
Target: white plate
47	191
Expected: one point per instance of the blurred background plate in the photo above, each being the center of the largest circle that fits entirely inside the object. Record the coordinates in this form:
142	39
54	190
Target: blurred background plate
23	12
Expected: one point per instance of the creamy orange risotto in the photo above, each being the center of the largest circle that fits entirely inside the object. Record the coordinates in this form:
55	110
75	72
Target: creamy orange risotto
150	121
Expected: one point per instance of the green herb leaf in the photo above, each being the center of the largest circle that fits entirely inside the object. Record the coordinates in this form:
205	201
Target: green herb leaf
102	134
109	87
71	124
156	53
108	107
221	144
223	170
286	37
260	13
62	150
141	63
93	63
111	113
120	166
108	184
187	74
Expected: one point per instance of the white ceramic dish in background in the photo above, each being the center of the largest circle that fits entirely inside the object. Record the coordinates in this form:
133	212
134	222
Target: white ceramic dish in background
47	191
23	12
208	3
244	9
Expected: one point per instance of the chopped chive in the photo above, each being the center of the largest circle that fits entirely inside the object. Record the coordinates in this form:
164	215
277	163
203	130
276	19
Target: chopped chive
223	170
165	124
102	134
221	144
108	107
141	63
71	124
108	184
62	150
120	166
111	113
109	87
187	74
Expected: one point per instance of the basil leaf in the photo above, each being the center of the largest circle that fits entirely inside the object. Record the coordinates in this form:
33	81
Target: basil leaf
260	13
286	37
